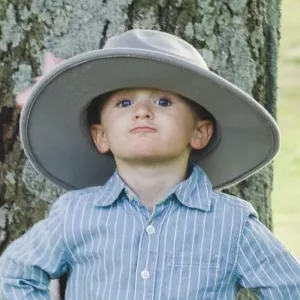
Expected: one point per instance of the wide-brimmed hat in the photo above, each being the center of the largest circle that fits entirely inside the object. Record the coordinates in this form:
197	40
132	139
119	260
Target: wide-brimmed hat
54	130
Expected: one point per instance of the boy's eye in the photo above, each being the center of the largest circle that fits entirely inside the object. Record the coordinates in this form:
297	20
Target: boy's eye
124	103
163	102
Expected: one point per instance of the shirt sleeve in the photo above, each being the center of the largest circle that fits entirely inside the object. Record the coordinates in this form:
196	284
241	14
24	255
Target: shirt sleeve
28	264
265	266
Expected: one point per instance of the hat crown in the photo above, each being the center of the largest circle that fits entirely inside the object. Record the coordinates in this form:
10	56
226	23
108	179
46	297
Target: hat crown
153	40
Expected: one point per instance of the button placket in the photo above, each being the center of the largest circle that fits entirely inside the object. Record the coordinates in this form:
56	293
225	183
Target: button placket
148	255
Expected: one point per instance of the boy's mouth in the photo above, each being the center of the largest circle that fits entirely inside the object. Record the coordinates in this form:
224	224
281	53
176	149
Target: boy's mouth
143	129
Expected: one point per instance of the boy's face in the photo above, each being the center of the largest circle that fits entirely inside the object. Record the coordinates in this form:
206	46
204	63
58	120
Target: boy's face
148	125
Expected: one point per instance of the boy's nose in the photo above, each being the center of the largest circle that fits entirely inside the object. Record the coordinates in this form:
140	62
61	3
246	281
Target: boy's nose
142	111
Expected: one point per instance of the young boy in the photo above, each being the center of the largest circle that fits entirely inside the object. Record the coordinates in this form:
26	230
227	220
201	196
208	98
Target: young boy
156	229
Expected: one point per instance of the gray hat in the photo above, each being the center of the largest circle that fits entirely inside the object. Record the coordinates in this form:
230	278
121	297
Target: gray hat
54	130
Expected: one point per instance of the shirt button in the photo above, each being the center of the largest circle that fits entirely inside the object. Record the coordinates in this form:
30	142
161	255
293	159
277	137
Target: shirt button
130	196
150	229
145	274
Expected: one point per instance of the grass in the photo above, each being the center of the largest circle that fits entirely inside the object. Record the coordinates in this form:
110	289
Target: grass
286	194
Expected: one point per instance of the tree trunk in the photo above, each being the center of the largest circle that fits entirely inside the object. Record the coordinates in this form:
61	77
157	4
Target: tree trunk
238	39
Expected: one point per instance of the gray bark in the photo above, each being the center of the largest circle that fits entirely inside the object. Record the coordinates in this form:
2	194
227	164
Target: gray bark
238	39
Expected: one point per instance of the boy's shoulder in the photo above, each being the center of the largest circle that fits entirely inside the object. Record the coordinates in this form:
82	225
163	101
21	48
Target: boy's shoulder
89	194
233	202
88	191
84	192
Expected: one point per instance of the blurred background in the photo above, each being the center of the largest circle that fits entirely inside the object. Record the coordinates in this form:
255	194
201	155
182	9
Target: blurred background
286	193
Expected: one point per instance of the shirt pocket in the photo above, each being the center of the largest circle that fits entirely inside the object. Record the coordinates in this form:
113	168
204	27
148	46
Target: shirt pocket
190	277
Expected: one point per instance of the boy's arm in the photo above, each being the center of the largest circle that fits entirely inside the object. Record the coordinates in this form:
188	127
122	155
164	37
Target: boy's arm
28	263
265	265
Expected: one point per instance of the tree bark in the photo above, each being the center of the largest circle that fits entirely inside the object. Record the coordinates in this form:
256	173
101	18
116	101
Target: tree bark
237	38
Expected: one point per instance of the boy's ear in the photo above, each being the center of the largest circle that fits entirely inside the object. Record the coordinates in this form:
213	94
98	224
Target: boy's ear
99	138
202	134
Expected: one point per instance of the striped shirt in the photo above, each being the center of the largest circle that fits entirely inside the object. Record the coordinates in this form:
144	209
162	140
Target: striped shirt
195	244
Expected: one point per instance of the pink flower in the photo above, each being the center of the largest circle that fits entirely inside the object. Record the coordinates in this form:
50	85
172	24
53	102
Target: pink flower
50	62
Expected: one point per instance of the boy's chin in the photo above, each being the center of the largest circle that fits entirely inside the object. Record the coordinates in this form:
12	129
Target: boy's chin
147	158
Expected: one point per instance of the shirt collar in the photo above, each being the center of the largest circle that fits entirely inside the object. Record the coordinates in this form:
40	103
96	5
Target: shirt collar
111	190
194	192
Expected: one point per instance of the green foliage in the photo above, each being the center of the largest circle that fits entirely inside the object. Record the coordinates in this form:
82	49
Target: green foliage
286	195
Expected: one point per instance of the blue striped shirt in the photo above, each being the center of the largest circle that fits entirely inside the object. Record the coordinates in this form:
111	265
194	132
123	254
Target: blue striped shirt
195	244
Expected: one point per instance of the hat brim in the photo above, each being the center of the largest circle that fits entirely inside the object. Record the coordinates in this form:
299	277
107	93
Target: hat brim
55	136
